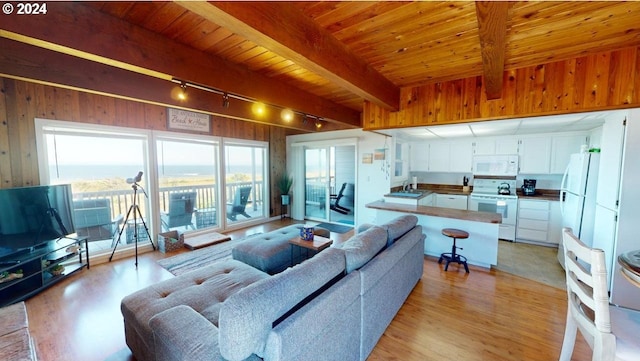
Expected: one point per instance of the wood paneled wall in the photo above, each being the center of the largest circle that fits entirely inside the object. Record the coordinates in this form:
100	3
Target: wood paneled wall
607	80
21	102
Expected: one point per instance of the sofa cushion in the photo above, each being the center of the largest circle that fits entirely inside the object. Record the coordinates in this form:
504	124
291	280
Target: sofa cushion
203	289
397	227
360	248
247	317
269	252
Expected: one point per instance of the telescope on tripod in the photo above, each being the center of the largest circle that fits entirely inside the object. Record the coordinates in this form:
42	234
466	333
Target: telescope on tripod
134	210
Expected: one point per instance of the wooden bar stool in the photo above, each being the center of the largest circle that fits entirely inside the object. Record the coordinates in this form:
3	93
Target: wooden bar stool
454	256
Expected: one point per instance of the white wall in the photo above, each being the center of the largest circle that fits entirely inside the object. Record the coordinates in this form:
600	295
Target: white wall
371	183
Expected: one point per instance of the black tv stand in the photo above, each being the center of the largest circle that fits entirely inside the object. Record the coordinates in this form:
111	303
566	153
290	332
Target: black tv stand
29	271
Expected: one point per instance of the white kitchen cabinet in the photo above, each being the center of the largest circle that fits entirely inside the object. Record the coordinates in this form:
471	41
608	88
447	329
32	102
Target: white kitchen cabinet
533	221
555	223
461	156
493	146
535	155
611	143
426	201
439	156
455	201
507	146
484	146
419	156
562	147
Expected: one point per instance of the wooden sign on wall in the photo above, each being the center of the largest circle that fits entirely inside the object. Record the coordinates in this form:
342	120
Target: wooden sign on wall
178	119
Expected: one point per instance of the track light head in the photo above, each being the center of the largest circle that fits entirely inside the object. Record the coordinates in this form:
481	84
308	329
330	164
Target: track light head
182	95
287	115
225	100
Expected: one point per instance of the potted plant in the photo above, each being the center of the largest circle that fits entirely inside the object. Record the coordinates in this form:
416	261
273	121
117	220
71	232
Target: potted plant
284	185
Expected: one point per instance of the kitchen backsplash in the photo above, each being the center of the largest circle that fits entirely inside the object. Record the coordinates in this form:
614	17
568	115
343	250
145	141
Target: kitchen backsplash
543	181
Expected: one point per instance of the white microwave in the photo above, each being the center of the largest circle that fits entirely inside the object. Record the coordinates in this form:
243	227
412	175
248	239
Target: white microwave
495	165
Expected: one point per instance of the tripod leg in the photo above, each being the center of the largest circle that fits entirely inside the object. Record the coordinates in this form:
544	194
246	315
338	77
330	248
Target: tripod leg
145	227
124	225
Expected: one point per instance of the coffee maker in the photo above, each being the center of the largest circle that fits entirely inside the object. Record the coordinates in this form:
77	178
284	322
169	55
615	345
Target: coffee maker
529	187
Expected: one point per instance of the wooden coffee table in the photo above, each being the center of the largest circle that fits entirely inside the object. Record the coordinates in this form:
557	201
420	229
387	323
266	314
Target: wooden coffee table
316	245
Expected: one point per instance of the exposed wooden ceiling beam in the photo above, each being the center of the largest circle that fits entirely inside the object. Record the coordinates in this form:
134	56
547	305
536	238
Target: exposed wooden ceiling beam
105	39
492	27
23	61
285	30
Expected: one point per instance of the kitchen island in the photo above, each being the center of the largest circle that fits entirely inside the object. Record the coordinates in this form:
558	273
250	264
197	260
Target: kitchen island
481	248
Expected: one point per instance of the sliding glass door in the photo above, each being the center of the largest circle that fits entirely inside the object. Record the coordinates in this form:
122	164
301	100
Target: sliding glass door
245	170
330	183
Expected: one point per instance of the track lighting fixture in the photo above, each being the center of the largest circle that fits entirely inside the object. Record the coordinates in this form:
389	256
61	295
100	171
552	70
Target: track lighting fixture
182	95
225	100
287	115
259	109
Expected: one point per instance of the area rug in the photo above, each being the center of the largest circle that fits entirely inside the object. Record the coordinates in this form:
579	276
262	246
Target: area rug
189	261
337	228
205	240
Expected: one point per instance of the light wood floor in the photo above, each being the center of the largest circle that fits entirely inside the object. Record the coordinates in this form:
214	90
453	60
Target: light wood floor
485	315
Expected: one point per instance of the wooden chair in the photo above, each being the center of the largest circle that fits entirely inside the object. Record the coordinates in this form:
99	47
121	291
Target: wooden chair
612	332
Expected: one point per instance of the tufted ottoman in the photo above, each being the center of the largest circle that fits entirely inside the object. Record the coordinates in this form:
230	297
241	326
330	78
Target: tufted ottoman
271	252
204	290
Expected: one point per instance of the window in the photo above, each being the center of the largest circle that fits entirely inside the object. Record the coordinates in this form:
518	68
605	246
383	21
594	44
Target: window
191	182
400	160
245	172
187	181
99	165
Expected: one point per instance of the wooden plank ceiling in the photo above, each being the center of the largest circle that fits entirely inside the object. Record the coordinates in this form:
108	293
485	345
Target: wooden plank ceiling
344	53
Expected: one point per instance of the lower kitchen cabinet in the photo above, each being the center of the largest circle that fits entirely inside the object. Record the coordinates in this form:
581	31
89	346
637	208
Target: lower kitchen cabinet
534	222
455	201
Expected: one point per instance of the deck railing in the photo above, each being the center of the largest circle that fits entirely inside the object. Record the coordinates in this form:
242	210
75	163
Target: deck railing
121	200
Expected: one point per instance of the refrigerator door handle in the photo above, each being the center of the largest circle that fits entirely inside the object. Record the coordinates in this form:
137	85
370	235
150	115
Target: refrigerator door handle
563	188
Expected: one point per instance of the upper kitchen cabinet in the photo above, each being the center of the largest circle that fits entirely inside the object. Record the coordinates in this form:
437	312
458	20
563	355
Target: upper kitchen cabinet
562	148
439	156
451	156
507	146
461	156
484	146
493	146
419	156
535	155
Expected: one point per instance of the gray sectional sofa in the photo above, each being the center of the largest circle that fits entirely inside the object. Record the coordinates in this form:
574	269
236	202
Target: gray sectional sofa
334	306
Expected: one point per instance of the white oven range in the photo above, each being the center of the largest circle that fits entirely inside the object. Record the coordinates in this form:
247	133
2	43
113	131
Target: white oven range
485	198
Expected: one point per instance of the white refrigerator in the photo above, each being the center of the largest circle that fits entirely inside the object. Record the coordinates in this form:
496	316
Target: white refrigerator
578	197
618	205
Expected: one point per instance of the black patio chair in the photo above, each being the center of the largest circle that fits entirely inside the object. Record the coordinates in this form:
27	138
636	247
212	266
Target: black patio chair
239	203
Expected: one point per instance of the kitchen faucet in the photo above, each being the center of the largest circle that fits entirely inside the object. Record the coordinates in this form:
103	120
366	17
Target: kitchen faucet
404	185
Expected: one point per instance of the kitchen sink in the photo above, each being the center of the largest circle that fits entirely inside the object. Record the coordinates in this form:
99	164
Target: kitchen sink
406	194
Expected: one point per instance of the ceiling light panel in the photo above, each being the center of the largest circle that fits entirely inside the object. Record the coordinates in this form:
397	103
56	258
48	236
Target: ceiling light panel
497	127
451	131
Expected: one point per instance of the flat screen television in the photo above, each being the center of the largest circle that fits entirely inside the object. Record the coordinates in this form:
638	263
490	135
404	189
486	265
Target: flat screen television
31	216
